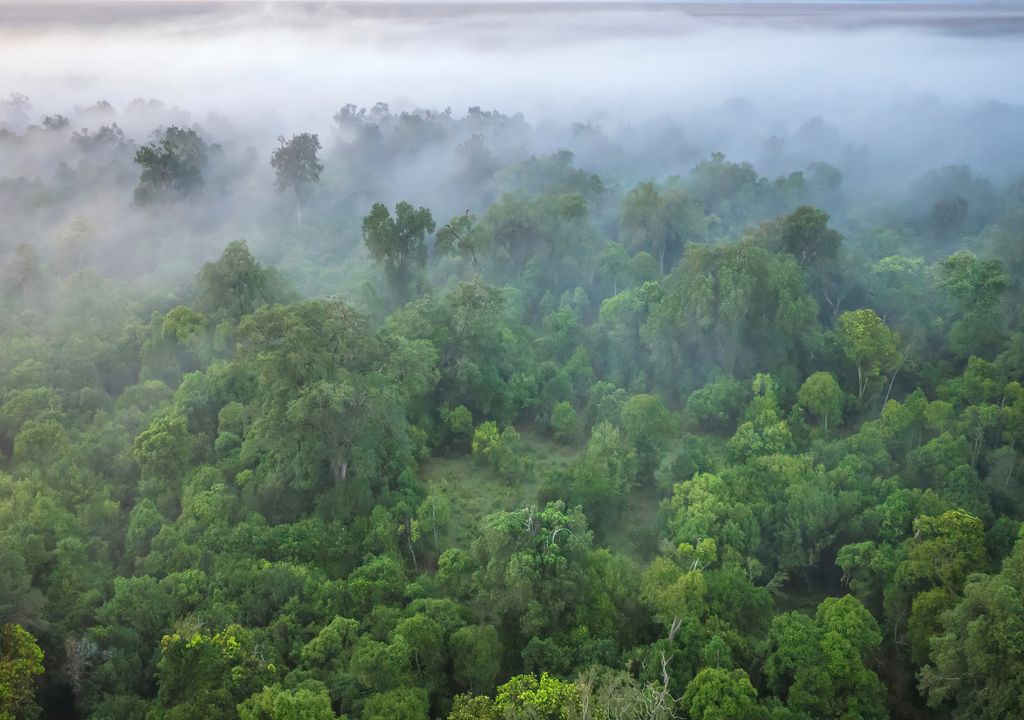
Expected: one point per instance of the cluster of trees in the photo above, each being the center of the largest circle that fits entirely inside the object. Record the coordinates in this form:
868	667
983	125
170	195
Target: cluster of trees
686	448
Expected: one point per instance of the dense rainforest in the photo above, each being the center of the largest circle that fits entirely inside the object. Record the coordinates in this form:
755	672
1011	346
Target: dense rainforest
455	416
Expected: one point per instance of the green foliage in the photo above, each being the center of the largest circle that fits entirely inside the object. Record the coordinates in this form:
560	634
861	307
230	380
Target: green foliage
476	652
209	674
398	243
499	449
732	307
296	163
976	667
869	343
647	425
564	425
21	661
524	697
172	166
397	704
715	407
822	395
307	702
977	286
601	432
661	221
236	284
719	694
819	665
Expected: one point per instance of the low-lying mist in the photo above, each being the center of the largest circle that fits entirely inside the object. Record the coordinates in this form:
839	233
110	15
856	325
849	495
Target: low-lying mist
884	93
283	63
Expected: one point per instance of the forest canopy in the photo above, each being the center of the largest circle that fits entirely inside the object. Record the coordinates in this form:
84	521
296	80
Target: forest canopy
427	420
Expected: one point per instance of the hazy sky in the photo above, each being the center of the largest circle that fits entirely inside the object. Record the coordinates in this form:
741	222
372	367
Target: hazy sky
279	70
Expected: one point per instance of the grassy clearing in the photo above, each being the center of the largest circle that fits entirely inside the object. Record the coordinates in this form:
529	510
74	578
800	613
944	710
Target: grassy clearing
477	490
636	533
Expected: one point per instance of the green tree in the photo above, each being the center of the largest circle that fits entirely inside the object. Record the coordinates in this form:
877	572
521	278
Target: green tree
822	395
473	707
715	407
21	662
236	284
661	220
331	398
869	343
163	454
977	668
945	549
462	236
398	243
532	564
476	657
564	425
524	697
720	694
309	701
805	235
977	286
296	164
398	704
734	308
172	166
647	425
499	449
208	675
818	665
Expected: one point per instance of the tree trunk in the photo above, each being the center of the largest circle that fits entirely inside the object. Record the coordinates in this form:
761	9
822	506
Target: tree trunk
433	522
408	538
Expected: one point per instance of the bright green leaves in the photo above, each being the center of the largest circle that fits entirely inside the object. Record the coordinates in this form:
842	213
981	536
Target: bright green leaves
945	549
21	662
533	567
822	395
869	343
720	694
673	592
525	697
203	674
818	666
310	701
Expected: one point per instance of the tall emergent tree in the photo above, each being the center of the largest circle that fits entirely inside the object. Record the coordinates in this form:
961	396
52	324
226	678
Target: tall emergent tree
869	343
661	220
172	166
297	165
398	242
